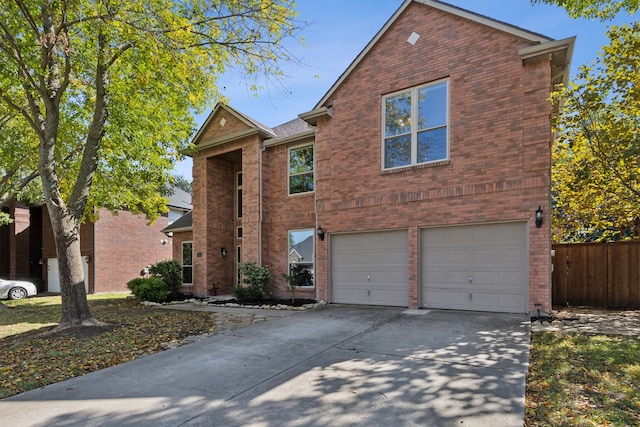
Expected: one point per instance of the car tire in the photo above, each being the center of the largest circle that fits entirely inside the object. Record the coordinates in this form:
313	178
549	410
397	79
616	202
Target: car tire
17	293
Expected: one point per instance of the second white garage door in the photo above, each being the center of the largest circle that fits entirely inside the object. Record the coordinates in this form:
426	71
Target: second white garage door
477	267
370	268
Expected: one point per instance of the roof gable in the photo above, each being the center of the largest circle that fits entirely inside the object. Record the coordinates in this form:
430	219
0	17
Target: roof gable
530	36
225	123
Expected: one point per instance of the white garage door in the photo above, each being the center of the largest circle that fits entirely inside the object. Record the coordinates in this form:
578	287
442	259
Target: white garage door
478	267
370	268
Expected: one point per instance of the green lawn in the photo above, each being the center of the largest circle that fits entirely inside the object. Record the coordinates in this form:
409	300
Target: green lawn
582	380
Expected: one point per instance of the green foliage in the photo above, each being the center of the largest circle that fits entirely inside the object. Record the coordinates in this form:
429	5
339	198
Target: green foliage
599	9
596	158
181	183
583	380
151	289
171	273
105	92
299	276
258	281
18	161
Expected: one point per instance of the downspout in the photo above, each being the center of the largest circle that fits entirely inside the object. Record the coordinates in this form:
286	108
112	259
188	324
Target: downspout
262	149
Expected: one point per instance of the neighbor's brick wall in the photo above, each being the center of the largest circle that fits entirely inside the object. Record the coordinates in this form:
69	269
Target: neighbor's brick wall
124	245
499	141
49	247
281	214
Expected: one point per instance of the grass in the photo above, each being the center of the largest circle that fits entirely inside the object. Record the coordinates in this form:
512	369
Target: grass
583	380
31	356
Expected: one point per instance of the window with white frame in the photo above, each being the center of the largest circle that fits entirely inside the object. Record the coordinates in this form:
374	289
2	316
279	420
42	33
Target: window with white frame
187	263
415	126
301	168
300	258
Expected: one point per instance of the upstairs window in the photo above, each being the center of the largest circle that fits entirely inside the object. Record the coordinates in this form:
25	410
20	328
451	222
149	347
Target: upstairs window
301	169
415	126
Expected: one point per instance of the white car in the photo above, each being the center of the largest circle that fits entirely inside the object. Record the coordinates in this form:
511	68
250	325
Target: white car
16	289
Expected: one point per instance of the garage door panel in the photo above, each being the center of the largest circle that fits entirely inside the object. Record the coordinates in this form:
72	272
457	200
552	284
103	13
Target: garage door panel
370	268
494	256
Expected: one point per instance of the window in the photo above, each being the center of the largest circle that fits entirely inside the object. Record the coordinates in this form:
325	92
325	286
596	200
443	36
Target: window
239	195
415	126
187	263
301	257
238	262
301	169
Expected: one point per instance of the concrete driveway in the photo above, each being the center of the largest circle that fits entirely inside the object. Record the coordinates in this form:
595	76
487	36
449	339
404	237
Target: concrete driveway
335	366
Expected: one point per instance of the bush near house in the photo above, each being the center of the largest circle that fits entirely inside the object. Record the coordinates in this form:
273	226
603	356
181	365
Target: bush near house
258	281
170	273
149	289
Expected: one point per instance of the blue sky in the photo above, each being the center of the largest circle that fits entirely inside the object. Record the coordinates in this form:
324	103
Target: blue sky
338	30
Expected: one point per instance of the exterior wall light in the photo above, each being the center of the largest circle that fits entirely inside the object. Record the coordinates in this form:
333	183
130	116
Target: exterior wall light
539	217
223	251
320	233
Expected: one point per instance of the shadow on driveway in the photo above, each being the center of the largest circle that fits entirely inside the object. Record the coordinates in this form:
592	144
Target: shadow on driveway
340	365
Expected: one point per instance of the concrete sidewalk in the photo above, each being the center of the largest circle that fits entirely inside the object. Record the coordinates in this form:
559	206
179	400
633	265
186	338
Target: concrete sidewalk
339	365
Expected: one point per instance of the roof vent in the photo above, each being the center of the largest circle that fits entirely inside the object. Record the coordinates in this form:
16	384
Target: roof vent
223	122
413	38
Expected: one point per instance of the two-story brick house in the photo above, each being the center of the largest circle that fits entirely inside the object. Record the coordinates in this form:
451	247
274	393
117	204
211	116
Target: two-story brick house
416	177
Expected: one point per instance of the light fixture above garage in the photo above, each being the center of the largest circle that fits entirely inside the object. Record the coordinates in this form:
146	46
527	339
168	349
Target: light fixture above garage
223	251
539	217
320	233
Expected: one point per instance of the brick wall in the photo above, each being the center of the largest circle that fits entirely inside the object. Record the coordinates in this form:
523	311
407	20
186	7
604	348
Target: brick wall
124	245
49	247
499	141
281	214
498	168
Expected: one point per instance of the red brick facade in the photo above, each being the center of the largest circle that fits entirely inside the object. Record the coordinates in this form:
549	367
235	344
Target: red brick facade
498	167
118	248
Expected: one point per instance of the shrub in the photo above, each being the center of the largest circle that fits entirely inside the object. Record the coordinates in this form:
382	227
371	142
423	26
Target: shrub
298	276
258	280
149	289
171	273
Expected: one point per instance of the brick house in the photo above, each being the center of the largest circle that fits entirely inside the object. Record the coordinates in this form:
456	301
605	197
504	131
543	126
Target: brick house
417	175
115	248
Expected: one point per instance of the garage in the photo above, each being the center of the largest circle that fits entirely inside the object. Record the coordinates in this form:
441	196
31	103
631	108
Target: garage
476	267
370	268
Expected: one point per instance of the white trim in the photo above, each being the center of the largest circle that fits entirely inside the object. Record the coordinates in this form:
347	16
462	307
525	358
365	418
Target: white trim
313	171
182	265
254	127
413	91
313	258
292	138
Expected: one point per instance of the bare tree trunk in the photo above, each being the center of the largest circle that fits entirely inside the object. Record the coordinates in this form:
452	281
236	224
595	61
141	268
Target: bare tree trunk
75	308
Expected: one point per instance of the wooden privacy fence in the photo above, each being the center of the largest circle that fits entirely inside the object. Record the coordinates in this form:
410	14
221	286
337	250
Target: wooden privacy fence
605	275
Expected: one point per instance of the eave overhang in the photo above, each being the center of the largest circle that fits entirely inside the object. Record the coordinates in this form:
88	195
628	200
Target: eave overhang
287	139
559	52
312	116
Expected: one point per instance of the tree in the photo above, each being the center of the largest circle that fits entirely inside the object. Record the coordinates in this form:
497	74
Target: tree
109	88
598	9
18	161
596	159
182	183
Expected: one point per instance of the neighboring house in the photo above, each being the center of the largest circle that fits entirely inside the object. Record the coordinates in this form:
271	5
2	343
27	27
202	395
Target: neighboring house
418	174
179	204
116	248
